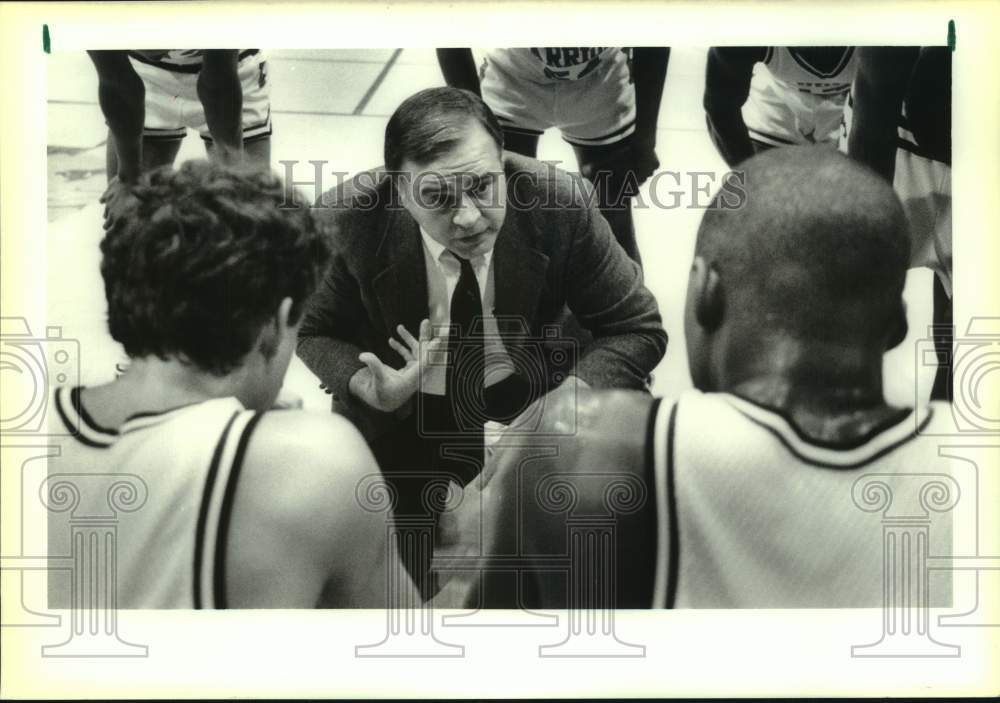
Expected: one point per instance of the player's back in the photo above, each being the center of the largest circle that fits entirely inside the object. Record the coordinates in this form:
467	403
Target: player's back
168	483
753	513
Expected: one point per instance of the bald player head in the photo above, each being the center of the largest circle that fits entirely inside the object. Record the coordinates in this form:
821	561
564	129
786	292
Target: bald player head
802	286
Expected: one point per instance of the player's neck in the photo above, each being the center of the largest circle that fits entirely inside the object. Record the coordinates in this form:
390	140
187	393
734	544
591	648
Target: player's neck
832	393
154	385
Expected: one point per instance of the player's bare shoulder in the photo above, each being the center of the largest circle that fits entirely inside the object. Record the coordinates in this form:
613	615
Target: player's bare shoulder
318	450
298	529
612	421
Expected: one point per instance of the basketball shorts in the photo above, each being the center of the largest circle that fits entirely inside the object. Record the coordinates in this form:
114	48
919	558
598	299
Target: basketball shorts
779	114
924	187
594	110
172	104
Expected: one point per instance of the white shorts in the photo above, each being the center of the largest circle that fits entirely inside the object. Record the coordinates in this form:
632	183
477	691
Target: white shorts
924	187
173	106
778	114
595	109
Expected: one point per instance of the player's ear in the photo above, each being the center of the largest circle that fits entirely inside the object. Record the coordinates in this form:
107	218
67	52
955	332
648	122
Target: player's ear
706	287
898	325
282	317
274	332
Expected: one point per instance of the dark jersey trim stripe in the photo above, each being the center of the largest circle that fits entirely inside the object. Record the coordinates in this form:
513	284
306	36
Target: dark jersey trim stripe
802	61
225	515
856	465
182	68
206	500
591	140
673	567
925	153
901	416
765	135
72	429
508	125
650	479
75	398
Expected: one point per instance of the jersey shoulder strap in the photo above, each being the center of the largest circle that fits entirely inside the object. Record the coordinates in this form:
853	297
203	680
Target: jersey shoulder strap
216	509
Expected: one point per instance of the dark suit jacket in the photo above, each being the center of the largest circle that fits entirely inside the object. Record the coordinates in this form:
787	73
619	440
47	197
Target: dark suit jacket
554	250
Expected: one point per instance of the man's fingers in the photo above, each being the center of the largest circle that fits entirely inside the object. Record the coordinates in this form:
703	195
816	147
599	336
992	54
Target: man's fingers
403	351
425	330
374	365
408	338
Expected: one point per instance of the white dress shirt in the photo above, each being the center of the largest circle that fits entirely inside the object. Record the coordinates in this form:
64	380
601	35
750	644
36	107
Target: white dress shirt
443	271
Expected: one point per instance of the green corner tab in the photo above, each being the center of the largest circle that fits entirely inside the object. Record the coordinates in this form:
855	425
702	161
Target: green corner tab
951	34
46	41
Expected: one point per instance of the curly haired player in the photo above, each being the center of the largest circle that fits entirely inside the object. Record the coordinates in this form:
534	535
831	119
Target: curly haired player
206	278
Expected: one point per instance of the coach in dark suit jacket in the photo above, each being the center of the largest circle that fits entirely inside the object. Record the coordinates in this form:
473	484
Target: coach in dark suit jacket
511	241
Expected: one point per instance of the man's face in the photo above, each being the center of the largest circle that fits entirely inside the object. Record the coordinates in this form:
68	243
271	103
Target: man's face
459	198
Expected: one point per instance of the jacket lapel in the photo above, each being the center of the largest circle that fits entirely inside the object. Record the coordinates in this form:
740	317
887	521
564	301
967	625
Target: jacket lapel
401	280
518	278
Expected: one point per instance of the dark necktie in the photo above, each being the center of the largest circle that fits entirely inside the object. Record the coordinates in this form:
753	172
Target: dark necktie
465	375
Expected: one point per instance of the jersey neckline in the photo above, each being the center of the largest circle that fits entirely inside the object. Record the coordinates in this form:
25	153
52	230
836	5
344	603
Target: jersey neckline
879	440
142	420
78	422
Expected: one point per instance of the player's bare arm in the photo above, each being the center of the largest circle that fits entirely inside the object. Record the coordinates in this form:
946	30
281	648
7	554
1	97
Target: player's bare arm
649	67
883	72
459	69
299	536
122	97
727	86
222	97
607	446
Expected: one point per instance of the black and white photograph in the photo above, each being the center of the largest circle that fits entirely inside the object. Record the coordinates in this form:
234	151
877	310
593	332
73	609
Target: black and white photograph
435	362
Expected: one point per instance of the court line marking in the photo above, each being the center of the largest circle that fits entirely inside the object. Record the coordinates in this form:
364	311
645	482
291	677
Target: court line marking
376	84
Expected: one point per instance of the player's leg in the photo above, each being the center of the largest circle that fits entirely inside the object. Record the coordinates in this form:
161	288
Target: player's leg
612	170
523	108
256	152
156	151
256	114
520	141
924	187
944	340
597	116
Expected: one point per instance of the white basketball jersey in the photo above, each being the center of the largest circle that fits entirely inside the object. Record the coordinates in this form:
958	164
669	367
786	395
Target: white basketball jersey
753	514
167	485
557	64
797	94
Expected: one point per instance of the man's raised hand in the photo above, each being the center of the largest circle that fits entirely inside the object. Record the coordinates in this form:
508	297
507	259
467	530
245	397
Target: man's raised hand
385	388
